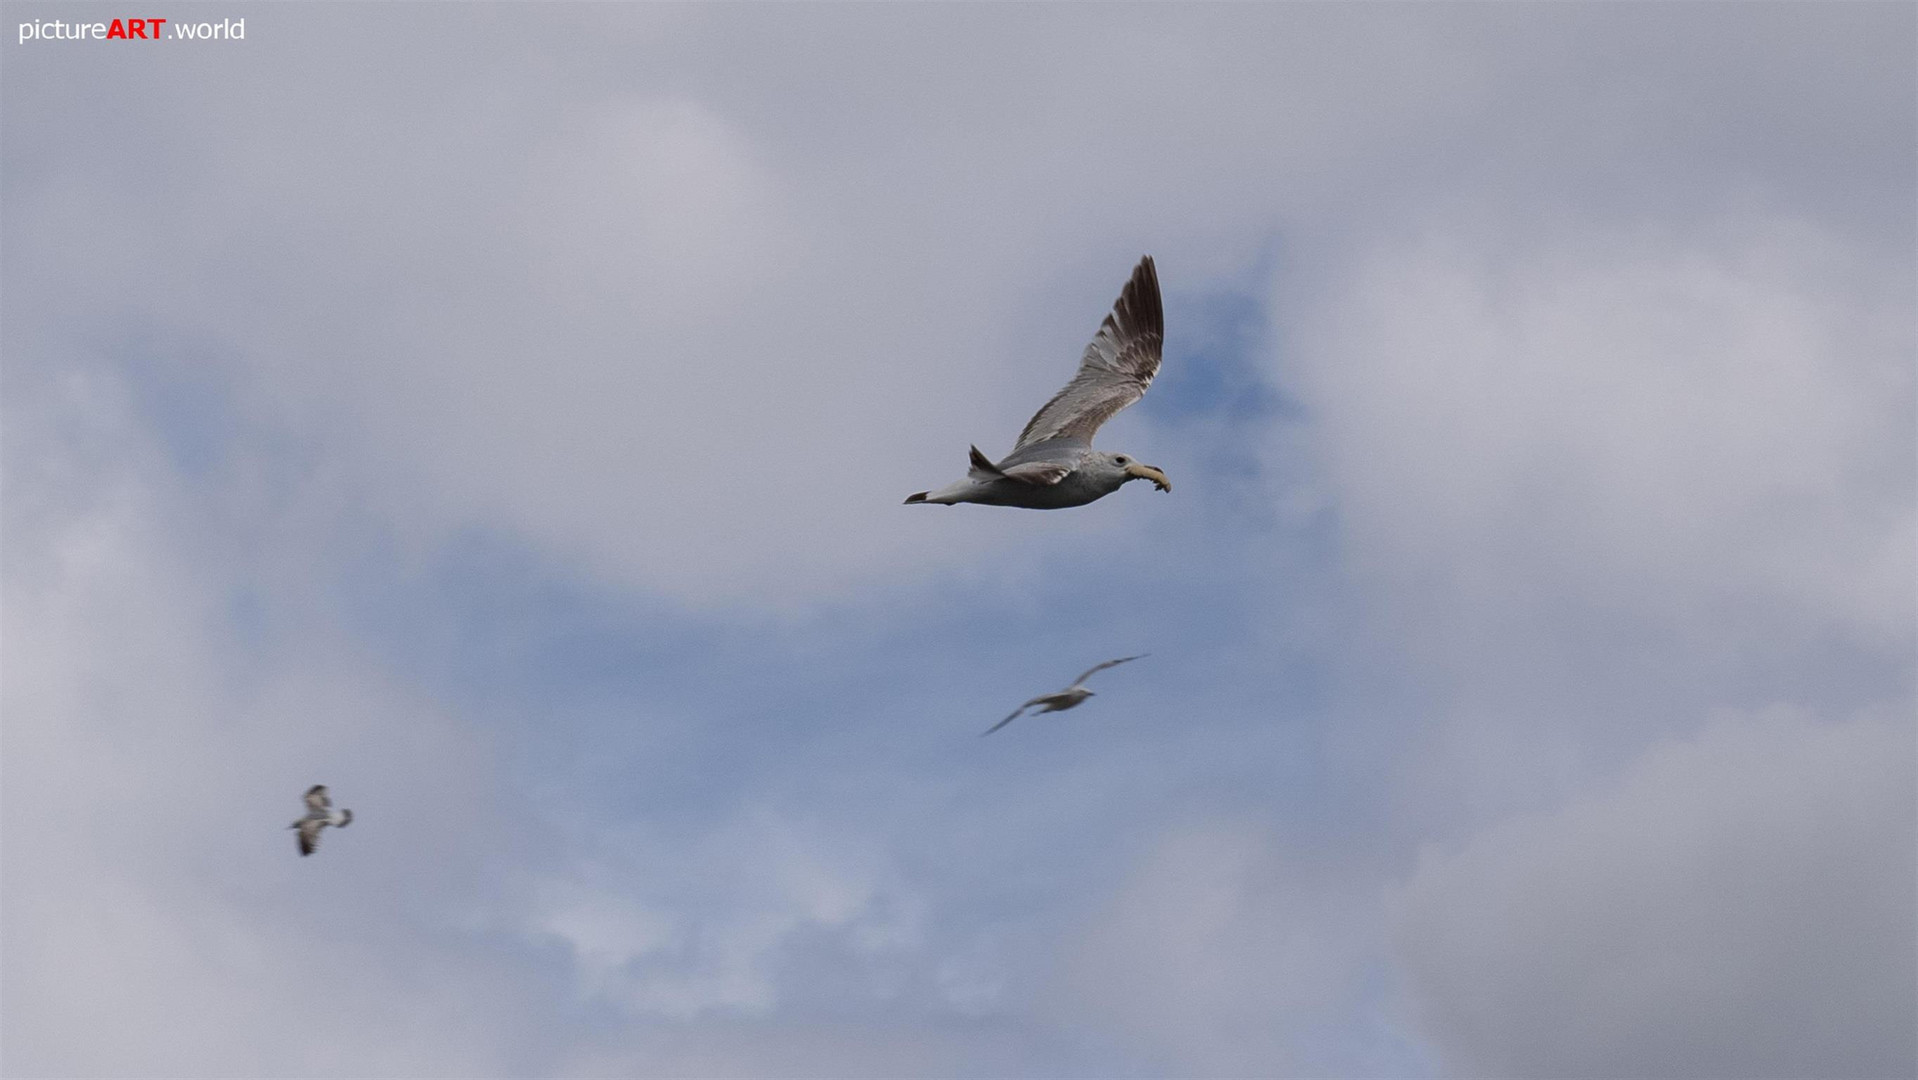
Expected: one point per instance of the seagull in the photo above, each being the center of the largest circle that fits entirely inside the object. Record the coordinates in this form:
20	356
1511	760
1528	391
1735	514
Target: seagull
1054	465
319	814
1064	699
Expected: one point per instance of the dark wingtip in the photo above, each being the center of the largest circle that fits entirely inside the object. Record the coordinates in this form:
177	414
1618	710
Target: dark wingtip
977	462
917	496
1143	292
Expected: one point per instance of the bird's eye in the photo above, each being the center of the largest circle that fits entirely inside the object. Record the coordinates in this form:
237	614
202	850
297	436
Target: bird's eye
1120	459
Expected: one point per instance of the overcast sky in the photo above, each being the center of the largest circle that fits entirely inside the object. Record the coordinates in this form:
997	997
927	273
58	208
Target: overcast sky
501	414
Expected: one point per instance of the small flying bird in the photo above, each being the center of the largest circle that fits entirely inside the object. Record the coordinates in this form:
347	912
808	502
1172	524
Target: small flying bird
1054	465
319	814
1064	699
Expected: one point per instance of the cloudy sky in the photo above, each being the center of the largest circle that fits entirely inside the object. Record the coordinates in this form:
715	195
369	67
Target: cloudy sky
501	415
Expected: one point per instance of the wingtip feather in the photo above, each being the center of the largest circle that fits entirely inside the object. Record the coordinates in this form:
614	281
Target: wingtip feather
978	464
1140	299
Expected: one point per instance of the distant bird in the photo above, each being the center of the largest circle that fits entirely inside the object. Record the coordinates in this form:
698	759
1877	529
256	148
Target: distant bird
1054	465
1064	699
319	814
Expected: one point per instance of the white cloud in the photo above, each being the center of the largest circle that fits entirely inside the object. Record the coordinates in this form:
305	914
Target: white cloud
1220	956
632	286
678	927
1739	904
1641	418
158	917
638	208
698	311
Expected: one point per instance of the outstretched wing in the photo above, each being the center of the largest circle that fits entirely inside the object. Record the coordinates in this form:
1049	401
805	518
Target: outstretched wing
310	836
1117	368
1038	473
316	798
1097	668
1016	713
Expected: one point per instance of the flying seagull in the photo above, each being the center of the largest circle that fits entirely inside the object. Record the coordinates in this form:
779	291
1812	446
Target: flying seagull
1064	699
319	814
1054	464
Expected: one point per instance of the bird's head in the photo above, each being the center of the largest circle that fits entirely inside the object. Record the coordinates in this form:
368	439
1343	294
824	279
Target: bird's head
1136	470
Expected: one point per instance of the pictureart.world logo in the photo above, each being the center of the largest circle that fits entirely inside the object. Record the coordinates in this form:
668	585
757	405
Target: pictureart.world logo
125	29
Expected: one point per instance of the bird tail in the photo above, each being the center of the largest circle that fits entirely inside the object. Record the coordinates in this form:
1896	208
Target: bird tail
945	496
346	818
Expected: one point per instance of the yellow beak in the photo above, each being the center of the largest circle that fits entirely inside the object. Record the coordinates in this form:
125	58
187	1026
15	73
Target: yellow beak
1147	472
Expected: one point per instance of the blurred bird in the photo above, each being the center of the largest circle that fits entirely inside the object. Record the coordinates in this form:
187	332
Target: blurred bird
1064	699
1054	465
319	815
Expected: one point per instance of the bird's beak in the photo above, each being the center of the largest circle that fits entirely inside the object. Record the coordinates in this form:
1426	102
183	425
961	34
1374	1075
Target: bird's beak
1147	472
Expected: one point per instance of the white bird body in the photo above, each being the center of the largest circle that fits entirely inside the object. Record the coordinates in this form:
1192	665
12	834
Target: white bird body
1071	697
1091	475
319	814
1054	465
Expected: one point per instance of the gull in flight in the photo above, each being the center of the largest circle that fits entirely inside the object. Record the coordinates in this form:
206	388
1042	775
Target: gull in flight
1064	699
319	814
1054	465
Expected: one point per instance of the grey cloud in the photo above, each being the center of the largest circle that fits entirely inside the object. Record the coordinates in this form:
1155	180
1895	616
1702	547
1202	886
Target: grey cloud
665	927
1222	953
1597	325
672	263
157	918
1741	904
1723	411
